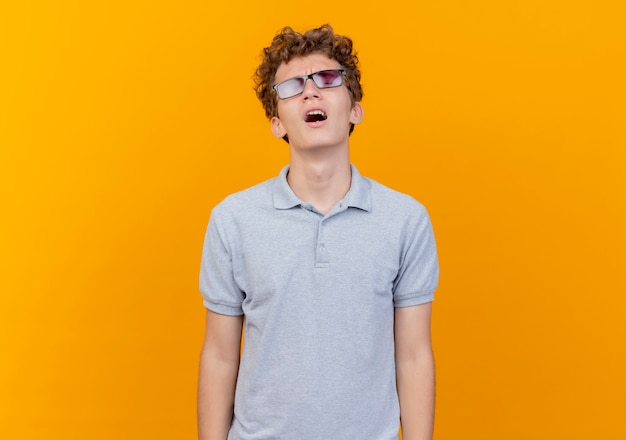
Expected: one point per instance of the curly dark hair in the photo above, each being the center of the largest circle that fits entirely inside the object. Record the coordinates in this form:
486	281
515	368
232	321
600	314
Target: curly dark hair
289	44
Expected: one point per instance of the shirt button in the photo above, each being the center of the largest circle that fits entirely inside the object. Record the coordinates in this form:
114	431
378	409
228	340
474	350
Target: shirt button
322	248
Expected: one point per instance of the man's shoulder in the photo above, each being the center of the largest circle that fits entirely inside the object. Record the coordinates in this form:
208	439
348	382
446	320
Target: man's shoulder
256	196
394	201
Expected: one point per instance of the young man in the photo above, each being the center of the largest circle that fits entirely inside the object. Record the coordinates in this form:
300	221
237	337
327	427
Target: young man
331	275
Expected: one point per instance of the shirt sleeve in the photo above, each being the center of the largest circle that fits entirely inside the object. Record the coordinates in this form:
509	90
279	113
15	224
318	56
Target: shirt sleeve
418	276
217	282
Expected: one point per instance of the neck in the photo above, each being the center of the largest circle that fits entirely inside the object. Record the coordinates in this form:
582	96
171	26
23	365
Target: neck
321	181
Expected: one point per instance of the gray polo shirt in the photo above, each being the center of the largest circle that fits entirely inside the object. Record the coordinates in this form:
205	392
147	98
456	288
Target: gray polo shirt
318	293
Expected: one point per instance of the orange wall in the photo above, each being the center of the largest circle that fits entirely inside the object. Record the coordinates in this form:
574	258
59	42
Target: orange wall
123	123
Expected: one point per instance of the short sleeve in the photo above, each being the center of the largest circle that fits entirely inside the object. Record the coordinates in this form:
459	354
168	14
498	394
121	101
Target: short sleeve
418	276
217	283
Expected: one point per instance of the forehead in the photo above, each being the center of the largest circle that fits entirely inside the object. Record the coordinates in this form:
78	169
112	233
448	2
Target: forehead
305	65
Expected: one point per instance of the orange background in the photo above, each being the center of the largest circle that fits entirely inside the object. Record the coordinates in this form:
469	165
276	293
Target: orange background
123	123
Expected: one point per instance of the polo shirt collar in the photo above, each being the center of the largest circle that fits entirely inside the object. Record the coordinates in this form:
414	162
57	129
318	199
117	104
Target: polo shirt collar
358	196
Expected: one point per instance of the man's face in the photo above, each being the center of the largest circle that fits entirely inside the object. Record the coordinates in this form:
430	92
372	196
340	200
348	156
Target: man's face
316	118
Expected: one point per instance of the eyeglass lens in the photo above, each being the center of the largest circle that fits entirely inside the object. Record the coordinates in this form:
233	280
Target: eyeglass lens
323	80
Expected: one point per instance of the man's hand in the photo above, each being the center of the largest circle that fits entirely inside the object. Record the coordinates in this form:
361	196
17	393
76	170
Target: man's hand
415	371
219	364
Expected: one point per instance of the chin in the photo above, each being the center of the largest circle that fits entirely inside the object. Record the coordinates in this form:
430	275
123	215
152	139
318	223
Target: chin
320	141
315	144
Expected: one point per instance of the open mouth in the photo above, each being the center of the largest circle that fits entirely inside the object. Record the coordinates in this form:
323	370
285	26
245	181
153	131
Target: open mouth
315	116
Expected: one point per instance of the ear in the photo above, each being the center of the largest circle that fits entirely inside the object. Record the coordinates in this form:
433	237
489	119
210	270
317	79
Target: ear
356	114
277	127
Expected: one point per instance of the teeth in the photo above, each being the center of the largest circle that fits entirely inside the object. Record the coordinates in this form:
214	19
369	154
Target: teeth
315	116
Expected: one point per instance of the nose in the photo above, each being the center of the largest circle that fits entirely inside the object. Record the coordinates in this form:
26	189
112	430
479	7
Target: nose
310	90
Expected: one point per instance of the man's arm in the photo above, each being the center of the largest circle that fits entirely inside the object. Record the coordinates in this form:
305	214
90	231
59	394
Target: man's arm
219	364
415	371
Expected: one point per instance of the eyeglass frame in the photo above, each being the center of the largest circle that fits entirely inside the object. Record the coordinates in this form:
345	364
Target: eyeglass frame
310	77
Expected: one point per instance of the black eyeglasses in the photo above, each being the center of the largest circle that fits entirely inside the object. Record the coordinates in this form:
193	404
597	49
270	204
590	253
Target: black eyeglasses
324	79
